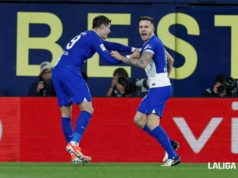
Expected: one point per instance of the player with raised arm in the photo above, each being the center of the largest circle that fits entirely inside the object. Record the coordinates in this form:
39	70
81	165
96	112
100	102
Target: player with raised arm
155	61
70	86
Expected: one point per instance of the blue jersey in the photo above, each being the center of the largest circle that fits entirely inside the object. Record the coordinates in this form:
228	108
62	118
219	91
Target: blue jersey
67	79
157	71
159	83
85	45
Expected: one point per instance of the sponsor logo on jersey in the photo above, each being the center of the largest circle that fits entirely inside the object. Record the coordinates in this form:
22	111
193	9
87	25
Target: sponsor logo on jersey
102	47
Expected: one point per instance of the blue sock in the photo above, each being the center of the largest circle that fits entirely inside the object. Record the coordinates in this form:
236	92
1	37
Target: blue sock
67	128
81	125
162	137
147	129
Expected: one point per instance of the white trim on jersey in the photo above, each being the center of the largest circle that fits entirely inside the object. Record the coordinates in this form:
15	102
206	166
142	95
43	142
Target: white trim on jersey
149	50
159	80
153	111
133	49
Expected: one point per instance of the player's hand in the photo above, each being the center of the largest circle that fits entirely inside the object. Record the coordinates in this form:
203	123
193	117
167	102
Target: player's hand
135	54
116	55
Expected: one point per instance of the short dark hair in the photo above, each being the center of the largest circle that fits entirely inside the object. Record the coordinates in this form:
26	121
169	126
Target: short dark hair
99	20
146	18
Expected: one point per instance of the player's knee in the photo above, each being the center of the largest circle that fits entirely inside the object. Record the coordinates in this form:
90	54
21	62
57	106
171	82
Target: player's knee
91	110
67	115
65	112
153	121
139	121
85	106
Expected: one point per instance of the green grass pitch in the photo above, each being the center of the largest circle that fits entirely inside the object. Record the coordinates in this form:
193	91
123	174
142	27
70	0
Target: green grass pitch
111	170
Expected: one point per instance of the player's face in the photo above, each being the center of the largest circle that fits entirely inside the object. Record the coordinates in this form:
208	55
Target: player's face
146	29
105	31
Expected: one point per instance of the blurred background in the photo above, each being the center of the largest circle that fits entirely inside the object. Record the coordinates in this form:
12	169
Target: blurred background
200	34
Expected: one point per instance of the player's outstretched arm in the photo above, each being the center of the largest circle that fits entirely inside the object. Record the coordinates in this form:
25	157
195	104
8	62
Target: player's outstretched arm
105	54
135	54
143	62
118	47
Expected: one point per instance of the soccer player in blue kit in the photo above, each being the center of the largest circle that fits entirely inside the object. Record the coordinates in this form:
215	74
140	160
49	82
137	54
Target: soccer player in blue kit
70	86
157	64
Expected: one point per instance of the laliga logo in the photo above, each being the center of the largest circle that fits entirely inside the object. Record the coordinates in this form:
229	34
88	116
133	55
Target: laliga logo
218	165
0	130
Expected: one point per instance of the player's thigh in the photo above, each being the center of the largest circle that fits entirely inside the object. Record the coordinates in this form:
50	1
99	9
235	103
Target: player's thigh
61	91
77	88
143	105
157	98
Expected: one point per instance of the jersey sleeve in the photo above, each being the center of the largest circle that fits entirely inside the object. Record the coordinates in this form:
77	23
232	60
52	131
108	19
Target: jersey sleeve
118	47
150	47
103	52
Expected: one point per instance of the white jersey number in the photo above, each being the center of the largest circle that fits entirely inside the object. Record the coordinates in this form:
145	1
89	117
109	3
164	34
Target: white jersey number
73	41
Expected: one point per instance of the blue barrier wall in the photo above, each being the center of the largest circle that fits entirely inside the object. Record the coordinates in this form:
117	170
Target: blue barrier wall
201	38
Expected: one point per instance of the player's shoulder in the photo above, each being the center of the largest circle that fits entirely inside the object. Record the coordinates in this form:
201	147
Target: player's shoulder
92	35
87	33
156	42
155	39
91	38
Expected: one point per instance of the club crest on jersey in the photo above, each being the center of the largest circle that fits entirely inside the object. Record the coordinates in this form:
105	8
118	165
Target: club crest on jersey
102	47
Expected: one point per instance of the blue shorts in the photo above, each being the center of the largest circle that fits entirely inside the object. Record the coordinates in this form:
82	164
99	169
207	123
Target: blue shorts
154	101
70	86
